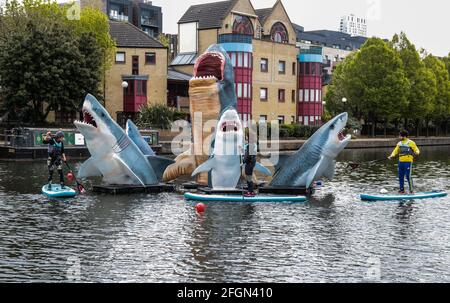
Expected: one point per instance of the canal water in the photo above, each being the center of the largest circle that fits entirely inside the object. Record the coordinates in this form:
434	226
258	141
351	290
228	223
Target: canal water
160	238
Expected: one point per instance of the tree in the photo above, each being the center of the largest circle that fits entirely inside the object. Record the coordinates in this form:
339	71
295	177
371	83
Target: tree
422	81
441	101
49	62
374	83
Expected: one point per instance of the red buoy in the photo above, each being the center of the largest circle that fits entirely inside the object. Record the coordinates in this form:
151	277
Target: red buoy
200	207
70	177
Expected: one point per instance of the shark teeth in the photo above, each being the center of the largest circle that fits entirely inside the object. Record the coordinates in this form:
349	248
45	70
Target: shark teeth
229	126
204	78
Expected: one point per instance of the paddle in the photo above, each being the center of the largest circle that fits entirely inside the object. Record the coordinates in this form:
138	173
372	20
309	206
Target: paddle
80	186
357	165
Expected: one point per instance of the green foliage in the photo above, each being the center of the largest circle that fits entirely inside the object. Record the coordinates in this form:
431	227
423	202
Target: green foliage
158	116
297	130
391	81
48	61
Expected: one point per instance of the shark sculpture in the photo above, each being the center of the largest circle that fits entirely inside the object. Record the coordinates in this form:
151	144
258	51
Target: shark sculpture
316	158
225	162
211	92
135	136
113	155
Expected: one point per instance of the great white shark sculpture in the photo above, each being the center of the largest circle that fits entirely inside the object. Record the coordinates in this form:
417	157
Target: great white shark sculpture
113	154
316	158
211	92
225	161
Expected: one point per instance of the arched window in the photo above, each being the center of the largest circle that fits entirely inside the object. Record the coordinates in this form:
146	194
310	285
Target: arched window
242	25
279	33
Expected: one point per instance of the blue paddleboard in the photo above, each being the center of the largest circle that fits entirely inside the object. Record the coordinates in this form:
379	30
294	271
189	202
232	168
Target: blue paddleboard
399	197
240	198
58	192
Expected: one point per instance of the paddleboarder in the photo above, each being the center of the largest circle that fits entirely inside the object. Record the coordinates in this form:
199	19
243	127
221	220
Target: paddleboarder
250	151
406	149
55	156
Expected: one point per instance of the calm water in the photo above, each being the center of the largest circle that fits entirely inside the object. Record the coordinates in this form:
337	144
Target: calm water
160	238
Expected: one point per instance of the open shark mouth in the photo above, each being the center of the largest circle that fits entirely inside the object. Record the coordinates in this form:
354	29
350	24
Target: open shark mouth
88	119
210	65
229	126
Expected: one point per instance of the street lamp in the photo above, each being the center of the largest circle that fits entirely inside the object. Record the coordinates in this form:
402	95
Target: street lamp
124	84
344	101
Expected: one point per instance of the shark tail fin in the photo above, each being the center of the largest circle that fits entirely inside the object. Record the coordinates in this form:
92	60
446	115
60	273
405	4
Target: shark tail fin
159	165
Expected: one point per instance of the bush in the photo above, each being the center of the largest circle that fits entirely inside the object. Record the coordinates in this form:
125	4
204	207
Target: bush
158	116
294	130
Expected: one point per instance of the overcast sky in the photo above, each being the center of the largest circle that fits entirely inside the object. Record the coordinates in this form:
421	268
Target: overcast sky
425	22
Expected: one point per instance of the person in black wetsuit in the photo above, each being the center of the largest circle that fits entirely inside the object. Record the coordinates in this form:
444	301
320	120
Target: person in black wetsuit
250	150
55	156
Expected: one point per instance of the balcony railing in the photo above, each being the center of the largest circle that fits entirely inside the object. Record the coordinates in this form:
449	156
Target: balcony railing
118	17
235	38
149	22
313	50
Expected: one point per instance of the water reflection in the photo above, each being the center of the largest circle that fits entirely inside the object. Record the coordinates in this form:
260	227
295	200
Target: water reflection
160	238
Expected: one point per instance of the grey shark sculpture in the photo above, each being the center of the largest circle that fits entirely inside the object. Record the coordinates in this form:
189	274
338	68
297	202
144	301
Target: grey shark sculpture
113	155
135	136
211	92
316	158
225	162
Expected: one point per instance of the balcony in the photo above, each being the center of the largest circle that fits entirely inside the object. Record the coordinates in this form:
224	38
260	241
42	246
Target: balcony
118	17
146	21
312	50
235	38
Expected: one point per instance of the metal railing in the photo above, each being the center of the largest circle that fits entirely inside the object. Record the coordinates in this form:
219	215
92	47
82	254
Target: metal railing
235	38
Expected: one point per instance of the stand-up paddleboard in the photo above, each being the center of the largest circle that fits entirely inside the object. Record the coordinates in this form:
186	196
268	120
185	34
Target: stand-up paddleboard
58	192
399	197
240	198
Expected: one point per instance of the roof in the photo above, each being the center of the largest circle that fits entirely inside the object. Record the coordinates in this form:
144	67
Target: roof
209	15
330	38
177	76
263	13
127	35
184	59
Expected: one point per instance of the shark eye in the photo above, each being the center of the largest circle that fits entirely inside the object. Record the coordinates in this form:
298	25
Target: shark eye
332	126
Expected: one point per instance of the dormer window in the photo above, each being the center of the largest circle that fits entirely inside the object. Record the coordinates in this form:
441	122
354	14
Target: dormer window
279	33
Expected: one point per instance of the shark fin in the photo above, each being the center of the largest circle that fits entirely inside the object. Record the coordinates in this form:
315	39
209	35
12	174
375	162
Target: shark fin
312	173
159	165
261	168
329	170
130	172
88	169
205	167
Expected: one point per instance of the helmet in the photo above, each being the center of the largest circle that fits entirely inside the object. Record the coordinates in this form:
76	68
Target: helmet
59	134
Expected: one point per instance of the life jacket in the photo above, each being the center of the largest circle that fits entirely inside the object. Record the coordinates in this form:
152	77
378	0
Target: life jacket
405	148
55	148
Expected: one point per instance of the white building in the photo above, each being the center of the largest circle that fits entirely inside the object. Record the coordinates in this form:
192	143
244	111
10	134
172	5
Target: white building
353	25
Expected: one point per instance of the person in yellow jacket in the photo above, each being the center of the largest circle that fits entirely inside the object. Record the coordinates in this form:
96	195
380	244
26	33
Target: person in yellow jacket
406	149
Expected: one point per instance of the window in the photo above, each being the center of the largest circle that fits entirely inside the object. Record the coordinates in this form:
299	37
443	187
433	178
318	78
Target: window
264	65
120	57
278	33
242	25
282	67
263	94
239	90
293	96
262	118
306	95
317	95
281	119
293	69
311	96
281	95
300	95
292	119
150	58
239	63
233	59
135	65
